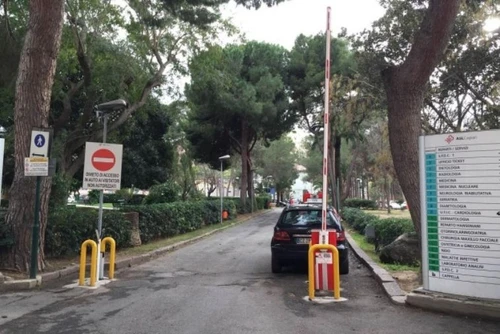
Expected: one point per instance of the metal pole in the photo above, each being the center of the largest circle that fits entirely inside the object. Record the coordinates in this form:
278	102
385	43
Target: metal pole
221	191
35	237
326	133
100	257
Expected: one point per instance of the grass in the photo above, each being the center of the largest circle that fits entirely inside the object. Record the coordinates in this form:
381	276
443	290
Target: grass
104	205
369	249
393	214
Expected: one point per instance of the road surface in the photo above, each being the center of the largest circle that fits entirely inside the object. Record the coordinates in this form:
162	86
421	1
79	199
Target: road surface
221	284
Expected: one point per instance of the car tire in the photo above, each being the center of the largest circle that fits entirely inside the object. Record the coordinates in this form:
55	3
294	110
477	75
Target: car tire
344	266
275	265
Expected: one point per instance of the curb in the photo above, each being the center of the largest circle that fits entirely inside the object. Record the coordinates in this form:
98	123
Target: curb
382	276
27	284
452	304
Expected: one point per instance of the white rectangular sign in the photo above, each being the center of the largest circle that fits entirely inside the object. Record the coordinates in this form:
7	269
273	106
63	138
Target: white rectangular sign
39	146
460	196
38	166
103	166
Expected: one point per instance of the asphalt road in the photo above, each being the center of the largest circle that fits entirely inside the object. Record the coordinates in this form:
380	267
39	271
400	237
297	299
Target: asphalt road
221	284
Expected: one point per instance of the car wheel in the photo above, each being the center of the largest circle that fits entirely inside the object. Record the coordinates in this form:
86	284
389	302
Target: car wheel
275	265
344	266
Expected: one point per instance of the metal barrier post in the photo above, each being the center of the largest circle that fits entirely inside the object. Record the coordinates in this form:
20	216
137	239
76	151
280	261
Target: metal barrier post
336	274
112	254
83	262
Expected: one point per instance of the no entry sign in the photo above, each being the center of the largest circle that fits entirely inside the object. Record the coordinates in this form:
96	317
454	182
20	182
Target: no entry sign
103	166
103	160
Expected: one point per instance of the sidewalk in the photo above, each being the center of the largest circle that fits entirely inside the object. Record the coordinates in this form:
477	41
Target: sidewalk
428	300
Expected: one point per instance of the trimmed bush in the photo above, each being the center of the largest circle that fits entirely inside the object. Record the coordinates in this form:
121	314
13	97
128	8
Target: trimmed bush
69	226
389	229
170	219
386	230
360	203
167	192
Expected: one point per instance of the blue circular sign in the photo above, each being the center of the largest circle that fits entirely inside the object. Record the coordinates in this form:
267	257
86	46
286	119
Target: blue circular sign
39	140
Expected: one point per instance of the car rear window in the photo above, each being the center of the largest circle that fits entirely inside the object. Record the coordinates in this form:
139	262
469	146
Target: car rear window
305	218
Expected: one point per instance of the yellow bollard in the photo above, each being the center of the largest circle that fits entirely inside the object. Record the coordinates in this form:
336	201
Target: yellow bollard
335	266
83	262
112	254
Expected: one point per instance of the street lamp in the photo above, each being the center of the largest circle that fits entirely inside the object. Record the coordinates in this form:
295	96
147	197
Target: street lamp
224	157
102	111
2	149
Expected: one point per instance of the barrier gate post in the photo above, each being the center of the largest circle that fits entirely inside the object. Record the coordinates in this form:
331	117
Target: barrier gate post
323	259
335	268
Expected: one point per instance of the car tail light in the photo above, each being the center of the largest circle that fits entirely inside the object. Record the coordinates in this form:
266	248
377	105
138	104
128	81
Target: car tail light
281	236
341	236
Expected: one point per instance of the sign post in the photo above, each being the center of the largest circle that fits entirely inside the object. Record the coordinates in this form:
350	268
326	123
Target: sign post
102	171
460	196
37	165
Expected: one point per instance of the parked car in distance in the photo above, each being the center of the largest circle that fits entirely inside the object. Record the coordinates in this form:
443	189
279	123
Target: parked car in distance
394	205
292	235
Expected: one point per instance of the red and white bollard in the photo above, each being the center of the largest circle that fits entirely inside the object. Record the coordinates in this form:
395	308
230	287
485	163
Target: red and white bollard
323	259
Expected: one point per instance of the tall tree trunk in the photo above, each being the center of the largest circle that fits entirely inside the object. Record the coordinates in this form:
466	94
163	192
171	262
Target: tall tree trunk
33	91
405	86
251	190
387	194
244	162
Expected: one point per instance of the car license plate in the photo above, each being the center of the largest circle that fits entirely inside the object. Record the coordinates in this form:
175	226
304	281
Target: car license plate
302	240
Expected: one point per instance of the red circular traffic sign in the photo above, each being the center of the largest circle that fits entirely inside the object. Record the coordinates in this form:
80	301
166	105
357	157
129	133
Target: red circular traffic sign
103	160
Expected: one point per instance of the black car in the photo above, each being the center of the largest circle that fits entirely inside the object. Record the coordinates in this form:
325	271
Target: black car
292	234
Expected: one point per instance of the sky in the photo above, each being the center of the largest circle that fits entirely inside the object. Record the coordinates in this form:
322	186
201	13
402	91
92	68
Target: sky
282	24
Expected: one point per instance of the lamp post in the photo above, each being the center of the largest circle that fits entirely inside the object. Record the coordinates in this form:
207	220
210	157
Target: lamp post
224	157
2	149
102	112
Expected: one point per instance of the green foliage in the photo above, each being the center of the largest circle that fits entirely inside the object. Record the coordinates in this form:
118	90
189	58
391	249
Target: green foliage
389	229
94	197
263	202
386	230
277	162
233	88
147	155
360	203
69	226
61	188
167	192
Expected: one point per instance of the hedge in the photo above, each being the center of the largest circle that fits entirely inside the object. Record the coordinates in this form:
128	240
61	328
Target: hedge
69	226
261	202
386	230
360	203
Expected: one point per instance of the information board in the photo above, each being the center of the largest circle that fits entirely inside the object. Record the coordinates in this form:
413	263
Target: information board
460	192
37	166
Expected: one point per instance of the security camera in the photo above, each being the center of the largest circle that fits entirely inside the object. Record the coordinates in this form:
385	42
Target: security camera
114	105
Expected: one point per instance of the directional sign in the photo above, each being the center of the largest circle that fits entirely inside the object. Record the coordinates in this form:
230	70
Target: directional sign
103	166
460	195
39	143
